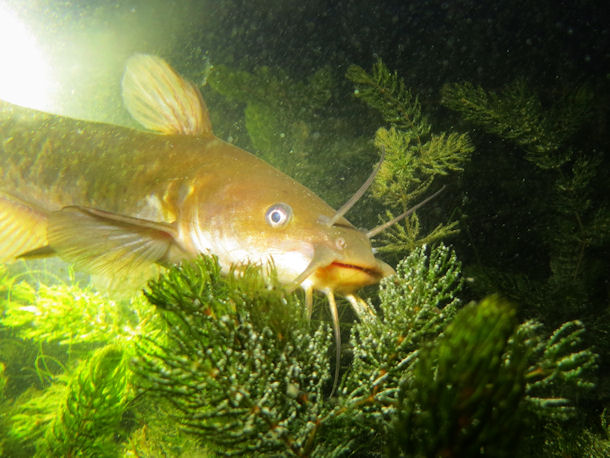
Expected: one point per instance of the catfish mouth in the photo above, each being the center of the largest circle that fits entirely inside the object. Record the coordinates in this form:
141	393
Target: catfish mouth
327	272
372	272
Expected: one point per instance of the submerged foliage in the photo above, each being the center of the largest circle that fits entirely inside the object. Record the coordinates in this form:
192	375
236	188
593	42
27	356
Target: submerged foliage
414	155
63	313
243	381
233	366
240	364
487	370
289	124
517	114
80	413
551	183
87	419
570	221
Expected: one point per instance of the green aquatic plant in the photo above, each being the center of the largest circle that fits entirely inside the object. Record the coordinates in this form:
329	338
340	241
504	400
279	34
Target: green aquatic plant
243	371
11	289
157	434
80	413
416	305
543	137
88	419
518	114
232	365
414	154
472	386
63	313
240	366
70	314
573	220
80	392
293	124
35	410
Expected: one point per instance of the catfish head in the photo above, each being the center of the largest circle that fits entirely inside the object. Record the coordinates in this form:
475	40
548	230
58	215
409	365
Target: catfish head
260	215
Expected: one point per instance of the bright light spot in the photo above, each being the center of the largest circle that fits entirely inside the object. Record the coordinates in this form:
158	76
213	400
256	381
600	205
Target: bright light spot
25	78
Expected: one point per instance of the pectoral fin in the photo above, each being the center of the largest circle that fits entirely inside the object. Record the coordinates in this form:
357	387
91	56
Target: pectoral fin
103	242
22	227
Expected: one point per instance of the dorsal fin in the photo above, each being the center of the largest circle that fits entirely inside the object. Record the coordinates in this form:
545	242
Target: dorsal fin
161	100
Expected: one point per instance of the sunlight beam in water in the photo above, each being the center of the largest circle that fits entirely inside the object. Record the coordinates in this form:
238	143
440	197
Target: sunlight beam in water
25	76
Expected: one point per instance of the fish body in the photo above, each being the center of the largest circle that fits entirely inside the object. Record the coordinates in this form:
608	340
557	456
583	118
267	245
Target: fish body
112	199
109	197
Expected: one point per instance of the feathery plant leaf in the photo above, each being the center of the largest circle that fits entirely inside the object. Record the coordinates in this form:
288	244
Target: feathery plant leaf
415	155
79	415
570	181
517	113
386	92
69	314
88	418
463	387
240	366
66	314
472	385
416	306
559	366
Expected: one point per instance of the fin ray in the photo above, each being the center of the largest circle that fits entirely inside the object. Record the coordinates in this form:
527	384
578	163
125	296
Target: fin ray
103	242
23	227
161	100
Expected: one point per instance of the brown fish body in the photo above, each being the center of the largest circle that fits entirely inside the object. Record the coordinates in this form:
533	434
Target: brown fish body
50	162
63	161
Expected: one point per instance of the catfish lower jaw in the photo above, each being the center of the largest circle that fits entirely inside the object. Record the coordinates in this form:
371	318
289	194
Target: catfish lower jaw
345	278
375	273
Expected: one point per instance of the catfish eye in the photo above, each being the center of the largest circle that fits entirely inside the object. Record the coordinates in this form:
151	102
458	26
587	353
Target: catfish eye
278	214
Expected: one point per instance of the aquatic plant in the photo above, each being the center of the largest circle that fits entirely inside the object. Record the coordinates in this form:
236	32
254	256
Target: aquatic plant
294	125
70	314
244	372
489	370
517	113
232	365
572	221
88	418
414	155
240	365
544	133
80	413
79	342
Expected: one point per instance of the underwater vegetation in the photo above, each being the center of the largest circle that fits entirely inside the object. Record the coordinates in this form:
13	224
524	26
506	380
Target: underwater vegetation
236	365
550	181
573	223
202	363
415	155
